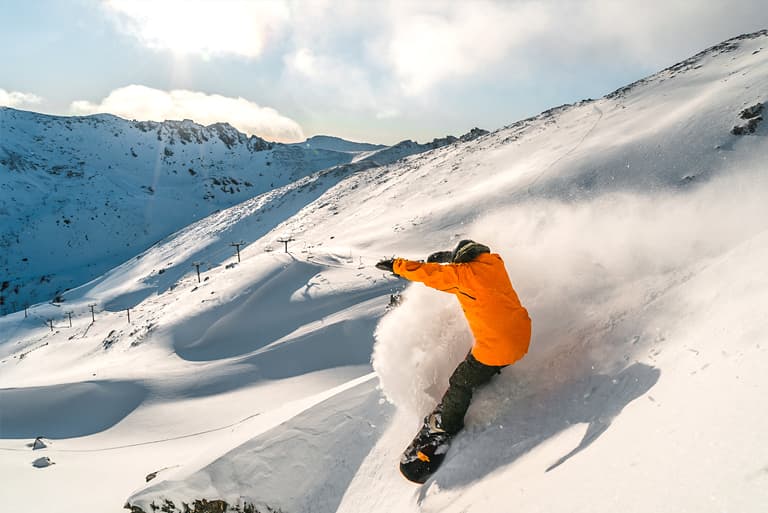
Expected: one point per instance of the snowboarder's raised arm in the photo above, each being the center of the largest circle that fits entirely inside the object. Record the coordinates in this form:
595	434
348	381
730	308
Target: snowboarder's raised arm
437	276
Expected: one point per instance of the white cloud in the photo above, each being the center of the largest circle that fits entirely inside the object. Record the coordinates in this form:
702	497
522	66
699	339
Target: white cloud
332	80
434	42
146	103
388	114
304	62
650	33
434	61
18	99
431	42
205	27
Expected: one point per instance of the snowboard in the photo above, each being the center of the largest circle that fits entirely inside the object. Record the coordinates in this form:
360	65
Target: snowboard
424	455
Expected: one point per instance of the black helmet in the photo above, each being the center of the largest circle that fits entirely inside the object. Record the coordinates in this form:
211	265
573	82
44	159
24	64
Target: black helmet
467	250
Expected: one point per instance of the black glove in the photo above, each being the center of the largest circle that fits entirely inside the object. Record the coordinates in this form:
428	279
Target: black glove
440	257
386	265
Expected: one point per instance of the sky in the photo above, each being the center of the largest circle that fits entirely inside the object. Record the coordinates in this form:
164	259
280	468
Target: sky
373	71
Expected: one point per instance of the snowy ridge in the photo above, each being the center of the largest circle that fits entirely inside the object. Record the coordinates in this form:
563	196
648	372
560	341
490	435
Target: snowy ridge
406	148
326	142
634	229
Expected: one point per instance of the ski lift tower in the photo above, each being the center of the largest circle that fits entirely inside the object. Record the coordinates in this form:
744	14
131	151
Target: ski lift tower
286	240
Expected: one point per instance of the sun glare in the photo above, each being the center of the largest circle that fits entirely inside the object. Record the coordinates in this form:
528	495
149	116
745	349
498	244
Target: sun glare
203	27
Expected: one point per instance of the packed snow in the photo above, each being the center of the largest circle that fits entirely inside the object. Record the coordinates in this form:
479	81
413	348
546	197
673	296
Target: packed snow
634	229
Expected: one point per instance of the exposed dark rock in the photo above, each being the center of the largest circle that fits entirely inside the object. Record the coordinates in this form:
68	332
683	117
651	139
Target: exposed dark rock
112	338
753	117
751	112
473	134
202	506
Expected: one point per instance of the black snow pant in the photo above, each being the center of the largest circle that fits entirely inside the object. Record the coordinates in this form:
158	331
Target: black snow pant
469	375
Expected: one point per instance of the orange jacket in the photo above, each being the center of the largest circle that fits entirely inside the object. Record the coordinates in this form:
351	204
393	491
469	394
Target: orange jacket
499	323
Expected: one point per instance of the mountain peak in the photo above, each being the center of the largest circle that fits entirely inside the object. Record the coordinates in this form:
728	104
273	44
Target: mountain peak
694	62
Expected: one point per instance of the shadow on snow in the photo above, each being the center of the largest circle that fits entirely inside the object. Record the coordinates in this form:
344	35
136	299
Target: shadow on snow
67	411
529	420
271	311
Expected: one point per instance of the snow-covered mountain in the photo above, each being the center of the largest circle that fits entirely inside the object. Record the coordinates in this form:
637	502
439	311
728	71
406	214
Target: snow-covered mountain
634	228
83	194
327	142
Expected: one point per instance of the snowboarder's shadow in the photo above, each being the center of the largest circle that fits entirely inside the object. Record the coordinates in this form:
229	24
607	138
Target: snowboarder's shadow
529	420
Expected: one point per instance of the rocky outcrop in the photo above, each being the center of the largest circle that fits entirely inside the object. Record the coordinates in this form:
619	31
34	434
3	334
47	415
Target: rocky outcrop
752	116
202	506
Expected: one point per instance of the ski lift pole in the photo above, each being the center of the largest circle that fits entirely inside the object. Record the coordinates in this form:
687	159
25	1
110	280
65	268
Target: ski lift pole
286	240
237	245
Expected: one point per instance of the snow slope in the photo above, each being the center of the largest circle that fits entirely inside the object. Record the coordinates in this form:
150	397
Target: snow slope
634	228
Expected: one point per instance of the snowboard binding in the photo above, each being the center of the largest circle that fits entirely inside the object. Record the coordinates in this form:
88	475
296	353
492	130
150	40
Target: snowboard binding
426	452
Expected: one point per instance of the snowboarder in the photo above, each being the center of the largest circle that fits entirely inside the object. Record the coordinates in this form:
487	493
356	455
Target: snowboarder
500	326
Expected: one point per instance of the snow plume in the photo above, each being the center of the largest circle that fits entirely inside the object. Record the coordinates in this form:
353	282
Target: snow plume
589	273
575	265
418	345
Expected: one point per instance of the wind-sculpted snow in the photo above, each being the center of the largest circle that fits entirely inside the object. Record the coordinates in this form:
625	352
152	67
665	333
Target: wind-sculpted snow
67	410
281	314
249	322
282	462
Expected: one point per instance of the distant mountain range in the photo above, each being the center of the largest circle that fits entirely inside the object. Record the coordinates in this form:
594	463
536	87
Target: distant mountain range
115	187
